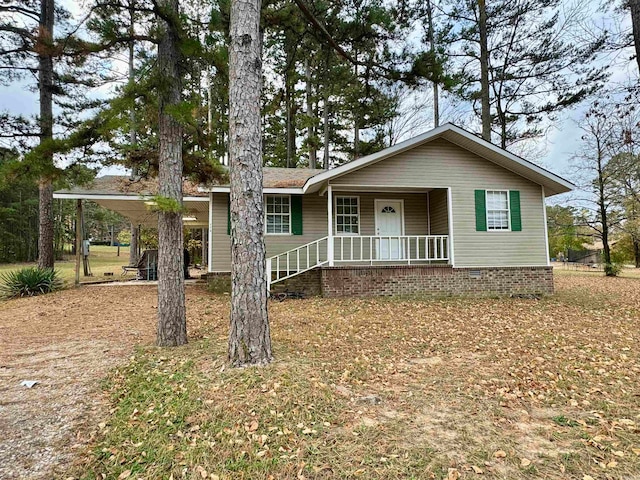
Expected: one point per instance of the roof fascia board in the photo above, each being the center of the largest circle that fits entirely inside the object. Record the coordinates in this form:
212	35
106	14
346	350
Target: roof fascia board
424	138
268	190
515	158
375	157
100	196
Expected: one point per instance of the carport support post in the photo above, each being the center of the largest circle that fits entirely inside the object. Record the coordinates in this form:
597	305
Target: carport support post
78	240
203	246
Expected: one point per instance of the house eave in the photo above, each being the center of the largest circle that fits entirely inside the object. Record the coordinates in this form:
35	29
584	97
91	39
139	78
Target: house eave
553	183
105	196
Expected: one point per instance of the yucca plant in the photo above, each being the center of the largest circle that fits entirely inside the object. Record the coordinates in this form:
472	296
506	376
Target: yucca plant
29	281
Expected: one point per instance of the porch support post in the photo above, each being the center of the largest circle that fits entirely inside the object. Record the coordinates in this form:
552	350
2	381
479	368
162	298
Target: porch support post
210	236
452	260
546	229
330	225
203	246
78	240
268	274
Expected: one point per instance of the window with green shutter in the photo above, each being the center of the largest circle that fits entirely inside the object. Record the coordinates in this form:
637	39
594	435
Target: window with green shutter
481	211
516	217
497	204
498	210
283	214
296	214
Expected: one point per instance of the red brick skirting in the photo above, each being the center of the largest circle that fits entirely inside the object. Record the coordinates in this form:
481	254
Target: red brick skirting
435	280
432	280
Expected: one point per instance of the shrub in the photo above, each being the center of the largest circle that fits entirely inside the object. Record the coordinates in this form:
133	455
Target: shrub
612	269
28	282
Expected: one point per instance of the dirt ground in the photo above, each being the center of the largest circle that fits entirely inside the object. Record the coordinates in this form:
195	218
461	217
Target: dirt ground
515	388
66	344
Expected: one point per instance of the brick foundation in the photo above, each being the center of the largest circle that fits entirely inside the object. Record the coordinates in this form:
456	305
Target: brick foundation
218	282
308	283
435	281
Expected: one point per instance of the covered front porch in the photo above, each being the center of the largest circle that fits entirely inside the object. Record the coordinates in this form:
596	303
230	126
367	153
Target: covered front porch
372	226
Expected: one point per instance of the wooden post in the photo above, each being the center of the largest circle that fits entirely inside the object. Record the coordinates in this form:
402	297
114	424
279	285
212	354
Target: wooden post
203	246
78	240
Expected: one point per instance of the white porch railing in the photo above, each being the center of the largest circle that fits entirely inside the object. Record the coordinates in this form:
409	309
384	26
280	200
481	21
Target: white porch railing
354	249
296	261
381	248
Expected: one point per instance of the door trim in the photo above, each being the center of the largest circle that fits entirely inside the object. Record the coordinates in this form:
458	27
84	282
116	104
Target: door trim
381	200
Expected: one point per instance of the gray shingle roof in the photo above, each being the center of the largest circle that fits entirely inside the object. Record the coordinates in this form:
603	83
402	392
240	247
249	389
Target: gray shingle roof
274	177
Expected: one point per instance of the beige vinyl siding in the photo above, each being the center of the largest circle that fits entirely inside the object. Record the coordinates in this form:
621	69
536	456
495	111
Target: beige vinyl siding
314	226
438	212
441	164
416	221
415	211
314	222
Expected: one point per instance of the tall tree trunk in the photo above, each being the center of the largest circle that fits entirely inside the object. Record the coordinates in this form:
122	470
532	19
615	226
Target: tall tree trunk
133	140
636	252
290	101
45	87
634	6
249	336
484	71
356	119
602	210
326	131
502	118
325	110
432	49
289	126
172	324
311	131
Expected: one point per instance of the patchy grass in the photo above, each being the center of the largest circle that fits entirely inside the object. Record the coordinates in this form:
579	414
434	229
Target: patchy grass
388	388
584	271
103	259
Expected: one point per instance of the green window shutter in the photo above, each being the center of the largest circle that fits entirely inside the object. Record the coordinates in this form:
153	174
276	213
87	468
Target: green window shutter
296	214
229	214
481	211
516	217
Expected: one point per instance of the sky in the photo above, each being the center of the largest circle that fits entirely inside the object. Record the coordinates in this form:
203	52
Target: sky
560	143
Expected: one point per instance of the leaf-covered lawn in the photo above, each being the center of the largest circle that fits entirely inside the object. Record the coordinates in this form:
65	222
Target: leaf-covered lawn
388	388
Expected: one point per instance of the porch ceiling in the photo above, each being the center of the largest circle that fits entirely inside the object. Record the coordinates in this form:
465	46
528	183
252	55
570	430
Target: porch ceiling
140	213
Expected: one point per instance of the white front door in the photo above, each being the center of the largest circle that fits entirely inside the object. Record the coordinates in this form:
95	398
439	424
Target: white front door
389	223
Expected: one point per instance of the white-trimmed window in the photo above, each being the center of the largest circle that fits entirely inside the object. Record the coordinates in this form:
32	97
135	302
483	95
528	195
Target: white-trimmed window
347	215
497	210
278	214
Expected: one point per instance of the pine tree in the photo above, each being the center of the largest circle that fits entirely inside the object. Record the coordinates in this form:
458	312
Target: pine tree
30	48
249	337
172	323
529	68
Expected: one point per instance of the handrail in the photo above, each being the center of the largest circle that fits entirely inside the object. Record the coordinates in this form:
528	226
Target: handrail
357	248
304	258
